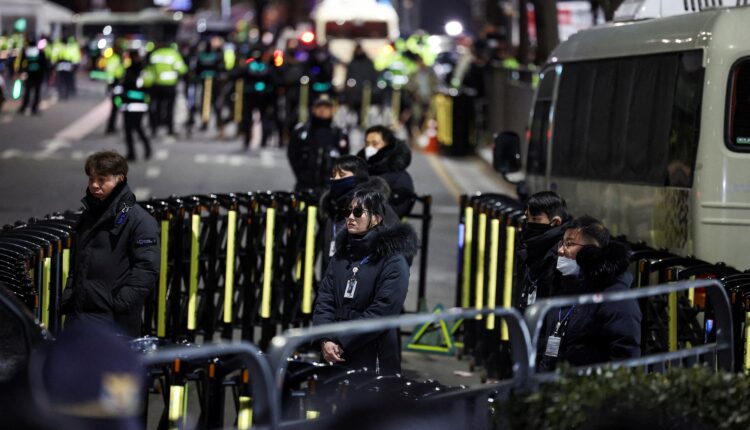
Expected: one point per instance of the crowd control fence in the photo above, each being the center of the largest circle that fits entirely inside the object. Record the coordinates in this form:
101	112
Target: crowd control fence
717	351
231	265
488	269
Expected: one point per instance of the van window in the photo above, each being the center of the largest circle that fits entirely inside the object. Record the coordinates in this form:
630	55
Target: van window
738	114
632	120
536	159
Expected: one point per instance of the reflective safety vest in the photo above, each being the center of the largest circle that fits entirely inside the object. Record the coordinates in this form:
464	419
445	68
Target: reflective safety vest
166	66
114	68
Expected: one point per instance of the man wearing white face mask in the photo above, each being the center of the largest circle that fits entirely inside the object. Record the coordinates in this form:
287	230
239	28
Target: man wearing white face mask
589	261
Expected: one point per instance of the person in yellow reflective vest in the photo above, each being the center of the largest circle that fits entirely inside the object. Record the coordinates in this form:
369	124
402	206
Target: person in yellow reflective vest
66	58
166	66
114	70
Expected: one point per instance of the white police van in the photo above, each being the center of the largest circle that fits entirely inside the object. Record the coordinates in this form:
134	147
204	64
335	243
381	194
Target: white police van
645	123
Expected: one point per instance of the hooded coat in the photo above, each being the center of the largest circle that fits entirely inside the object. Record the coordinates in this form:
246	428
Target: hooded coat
390	163
116	264
600	332
331	208
382	282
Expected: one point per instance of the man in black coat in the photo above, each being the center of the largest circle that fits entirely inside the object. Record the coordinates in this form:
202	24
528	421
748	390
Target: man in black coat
591	262
314	145
388	157
547	218
116	250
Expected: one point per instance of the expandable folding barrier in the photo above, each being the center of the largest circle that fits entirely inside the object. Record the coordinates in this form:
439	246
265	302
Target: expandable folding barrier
487	275
34	264
213	368
237	264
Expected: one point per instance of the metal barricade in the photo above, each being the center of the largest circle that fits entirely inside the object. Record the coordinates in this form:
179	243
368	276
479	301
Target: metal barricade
254	401
718	353
472	402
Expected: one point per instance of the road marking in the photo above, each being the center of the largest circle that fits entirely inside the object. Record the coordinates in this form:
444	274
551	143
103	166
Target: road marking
267	159
142	193
86	124
153	172
50	147
10	153
445	177
6	119
236	160
161	154
77	155
200	158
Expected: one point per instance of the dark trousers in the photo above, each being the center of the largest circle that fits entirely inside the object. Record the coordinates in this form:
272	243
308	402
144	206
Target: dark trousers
32	85
161	110
112	121
65	84
134	123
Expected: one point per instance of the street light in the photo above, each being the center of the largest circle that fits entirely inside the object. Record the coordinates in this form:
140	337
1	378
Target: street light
453	28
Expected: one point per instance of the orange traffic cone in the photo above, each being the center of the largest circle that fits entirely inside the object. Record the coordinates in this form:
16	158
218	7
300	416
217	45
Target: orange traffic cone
432	140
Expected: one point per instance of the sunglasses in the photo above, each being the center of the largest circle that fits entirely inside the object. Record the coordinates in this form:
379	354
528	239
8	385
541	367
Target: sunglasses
358	211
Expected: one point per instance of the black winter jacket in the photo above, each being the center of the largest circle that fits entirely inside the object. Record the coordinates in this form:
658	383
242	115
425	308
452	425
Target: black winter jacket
312	148
390	163
116	265
538	261
599	332
382	283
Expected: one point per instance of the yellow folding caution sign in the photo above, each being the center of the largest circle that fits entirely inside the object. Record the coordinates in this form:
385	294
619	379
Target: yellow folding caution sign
433	337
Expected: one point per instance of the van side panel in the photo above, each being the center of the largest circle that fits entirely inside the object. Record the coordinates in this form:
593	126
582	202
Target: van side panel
721	197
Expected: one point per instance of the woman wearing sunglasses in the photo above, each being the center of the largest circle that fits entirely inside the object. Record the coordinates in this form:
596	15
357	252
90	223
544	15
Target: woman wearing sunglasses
368	277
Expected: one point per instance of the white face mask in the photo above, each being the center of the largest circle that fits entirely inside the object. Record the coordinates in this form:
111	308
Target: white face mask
567	267
370	151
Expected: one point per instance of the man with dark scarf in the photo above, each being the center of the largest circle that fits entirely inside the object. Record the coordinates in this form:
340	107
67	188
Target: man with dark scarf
116	259
546	220
314	145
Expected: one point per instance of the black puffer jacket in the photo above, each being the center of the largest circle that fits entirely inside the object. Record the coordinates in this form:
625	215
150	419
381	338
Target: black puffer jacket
601	332
116	262
390	163
382	283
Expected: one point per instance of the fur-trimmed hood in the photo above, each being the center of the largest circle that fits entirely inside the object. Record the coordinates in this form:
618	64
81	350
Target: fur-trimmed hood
392	158
379	243
601	267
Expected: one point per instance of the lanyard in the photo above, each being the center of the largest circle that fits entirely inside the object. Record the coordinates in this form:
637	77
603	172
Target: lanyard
561	320
355	269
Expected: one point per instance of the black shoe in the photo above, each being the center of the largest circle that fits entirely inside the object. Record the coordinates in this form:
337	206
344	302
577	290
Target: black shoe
130	157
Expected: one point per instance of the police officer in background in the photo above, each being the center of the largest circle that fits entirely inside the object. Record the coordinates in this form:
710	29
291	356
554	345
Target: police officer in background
116	252
114	70
135	85
313	146
67	57
33	68
166	66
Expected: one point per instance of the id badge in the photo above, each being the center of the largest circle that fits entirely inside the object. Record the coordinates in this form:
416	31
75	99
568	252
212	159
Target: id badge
531	299
553	346
332	250
351	287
